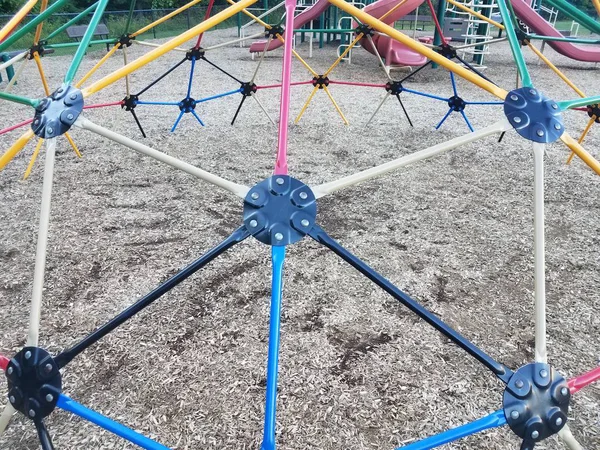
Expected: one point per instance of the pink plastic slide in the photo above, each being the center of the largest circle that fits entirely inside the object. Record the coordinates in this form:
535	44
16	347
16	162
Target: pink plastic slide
394	53
539	25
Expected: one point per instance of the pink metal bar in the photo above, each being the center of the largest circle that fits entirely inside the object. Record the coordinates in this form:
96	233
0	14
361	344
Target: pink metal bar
281	167
102	105
578	383
14	127
354	83
295	83
581	108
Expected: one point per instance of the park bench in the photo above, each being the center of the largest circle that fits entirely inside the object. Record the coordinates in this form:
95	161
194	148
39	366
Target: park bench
77	32
410	20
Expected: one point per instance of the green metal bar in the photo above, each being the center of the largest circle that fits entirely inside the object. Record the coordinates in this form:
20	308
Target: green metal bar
325	30
515	47
130	16
576	14
437	38
70	22
564	39
18	99
568	104
34	23
75	44
85	41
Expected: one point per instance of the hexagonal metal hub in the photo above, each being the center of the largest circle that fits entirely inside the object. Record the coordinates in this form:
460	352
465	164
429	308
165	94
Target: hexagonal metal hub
280	210
536	402
594	110
533	115
456	103
321	81
394	87
55	114
34	382
187	104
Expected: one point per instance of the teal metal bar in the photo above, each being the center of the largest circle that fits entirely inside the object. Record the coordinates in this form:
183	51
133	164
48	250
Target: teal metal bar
569	104
70	22
85	41
564	39
577	15
437	38
326	30
75	44
34	23
515	47
130	16
18	99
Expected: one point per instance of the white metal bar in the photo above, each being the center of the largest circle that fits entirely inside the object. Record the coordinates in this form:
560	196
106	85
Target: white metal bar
539	254
381	63
262	58
7	414
475	44
42	244
263	14
253	95
328	188
235	41
230	186
16	76
13	60
568	438
385	97
151	44
124	48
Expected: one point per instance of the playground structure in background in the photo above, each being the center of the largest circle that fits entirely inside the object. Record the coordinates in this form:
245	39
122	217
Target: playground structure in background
281	210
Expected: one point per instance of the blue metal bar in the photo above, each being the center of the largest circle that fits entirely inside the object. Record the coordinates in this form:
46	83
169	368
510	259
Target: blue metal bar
278	256
494	420
72	406
189	91
177	121
484	103
425	95
197	117
444	119
453	84
202	100
467	120
139	102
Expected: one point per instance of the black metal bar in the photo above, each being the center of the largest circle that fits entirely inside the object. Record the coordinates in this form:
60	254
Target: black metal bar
66	356
43	435
473	69
500	370
238	109
404	109
415	72
162	76
135	117
501	136
217	67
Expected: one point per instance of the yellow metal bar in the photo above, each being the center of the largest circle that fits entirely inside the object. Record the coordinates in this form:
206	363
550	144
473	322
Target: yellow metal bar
336	105
72	142
393	9
16	19
420	48
98	64
476	14
165	18
597	6
337	61
555	69
310	97
38	30
253	17
166	47
583	135
36	152
581	152
38	62
15	148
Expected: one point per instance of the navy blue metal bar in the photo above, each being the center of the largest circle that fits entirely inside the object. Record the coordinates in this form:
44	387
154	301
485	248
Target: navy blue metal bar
443	119
484	103
189	91
218	68
162	76
181	113
412	74
43	435
237	111
404	109
72	406
278	256
494	420
473	69
137	121
236	237
500	370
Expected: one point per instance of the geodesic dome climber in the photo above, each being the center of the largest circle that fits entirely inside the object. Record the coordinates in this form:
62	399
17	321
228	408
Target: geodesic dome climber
279	211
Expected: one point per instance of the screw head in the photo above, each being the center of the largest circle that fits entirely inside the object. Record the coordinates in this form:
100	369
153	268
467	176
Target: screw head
12	399
557	126
48	367
532	91
255	195
279	181
70	116
514	414
564	392
49	398
303	195
27	354
31	413
253	223
559	421
540	133
535	434
305	222
278	236
73	96
517	119
36	122
543	373
554	106
50	130
519	384
10	371
514	97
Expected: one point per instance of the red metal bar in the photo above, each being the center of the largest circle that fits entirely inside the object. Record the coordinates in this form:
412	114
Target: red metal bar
206	16
102	105
582	108
437	23
354	83
14	127
4	362
578	383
